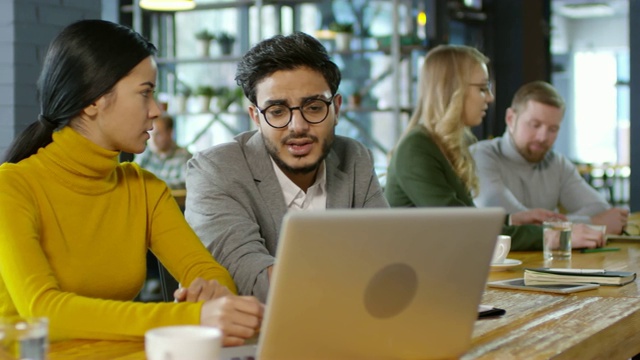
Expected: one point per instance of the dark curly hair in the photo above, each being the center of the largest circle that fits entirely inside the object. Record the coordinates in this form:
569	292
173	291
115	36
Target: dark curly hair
285	53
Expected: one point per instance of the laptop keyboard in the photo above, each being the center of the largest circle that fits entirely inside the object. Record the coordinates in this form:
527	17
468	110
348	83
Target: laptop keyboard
243	352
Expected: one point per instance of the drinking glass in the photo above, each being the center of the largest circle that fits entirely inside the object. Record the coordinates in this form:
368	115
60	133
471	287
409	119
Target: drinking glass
556	240
24	338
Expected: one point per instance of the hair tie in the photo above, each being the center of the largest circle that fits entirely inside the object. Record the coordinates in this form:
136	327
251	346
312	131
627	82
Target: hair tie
48	123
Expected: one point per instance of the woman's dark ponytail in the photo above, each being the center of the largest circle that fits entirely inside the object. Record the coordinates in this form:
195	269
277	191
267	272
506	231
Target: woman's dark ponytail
37	135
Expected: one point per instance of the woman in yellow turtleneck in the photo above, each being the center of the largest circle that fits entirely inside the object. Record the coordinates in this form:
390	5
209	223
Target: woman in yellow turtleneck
75	224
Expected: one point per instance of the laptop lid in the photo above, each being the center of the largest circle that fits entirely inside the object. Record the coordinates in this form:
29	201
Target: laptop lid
378	283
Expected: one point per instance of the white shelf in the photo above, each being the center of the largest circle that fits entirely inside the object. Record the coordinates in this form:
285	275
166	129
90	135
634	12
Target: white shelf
200	60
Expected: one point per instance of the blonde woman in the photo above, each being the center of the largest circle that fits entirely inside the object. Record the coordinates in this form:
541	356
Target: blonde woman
432	166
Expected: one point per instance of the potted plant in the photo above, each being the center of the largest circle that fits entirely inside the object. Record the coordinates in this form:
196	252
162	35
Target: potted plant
355	100
226	41
183	92
204	38
227	97
204	94
343	35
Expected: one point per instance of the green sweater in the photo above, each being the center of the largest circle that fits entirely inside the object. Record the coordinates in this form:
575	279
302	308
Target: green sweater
420	175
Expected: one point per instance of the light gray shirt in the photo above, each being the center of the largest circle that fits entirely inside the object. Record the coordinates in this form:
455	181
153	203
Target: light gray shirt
509	181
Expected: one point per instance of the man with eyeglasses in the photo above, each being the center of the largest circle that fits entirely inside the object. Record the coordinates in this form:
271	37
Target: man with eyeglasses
520	171
239	192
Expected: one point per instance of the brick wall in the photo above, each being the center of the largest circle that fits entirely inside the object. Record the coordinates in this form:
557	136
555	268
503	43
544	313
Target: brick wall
26	28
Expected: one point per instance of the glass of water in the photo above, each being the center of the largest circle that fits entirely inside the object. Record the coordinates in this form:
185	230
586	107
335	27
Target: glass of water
24	338
556	240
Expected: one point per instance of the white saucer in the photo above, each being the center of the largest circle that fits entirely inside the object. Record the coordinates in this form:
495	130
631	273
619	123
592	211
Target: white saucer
508	263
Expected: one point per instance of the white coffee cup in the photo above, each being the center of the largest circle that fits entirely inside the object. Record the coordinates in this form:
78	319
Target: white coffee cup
183	342
503	245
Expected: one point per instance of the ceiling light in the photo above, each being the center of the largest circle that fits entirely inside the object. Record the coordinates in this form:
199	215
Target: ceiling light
586	10
167	5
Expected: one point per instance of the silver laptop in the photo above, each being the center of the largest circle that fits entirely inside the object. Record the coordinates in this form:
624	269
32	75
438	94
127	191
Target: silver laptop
376	284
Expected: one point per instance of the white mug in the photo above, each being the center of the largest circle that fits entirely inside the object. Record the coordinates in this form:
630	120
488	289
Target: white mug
183	342
503	245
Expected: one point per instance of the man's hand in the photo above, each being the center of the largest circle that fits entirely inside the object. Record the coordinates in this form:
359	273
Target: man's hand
614	219
201	290
535	216
238	317
582	236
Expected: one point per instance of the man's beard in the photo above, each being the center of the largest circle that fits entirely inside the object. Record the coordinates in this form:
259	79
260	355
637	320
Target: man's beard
272	149
532	157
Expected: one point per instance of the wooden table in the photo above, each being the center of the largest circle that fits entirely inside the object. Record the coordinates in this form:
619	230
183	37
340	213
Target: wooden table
545	326
627	259
97	350
568	327
595	324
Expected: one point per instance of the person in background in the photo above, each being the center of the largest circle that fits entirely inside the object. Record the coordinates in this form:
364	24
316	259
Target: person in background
240	191
520	171
163	157
166	160
432	166
75	224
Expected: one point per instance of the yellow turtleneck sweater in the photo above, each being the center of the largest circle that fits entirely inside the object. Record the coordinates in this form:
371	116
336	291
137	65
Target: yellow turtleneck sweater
75	226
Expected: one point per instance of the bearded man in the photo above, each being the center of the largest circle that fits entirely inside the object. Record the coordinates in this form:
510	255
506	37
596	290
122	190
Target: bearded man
520	171
239	192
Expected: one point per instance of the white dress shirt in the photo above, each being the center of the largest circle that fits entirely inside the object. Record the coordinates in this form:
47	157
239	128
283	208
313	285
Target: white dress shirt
314	199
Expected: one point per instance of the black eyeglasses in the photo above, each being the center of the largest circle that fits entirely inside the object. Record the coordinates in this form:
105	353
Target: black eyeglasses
314	111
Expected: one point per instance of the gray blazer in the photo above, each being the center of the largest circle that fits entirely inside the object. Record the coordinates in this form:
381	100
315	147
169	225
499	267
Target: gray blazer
236	206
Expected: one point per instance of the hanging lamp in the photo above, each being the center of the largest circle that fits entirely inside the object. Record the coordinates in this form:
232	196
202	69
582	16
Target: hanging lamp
167	5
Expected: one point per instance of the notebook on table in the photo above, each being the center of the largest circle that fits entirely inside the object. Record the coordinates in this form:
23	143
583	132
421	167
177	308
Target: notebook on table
622	237
630	232
376	283
595	276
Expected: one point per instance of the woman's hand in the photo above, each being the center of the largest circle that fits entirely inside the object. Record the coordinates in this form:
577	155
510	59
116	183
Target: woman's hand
582	236
238	317
201	290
